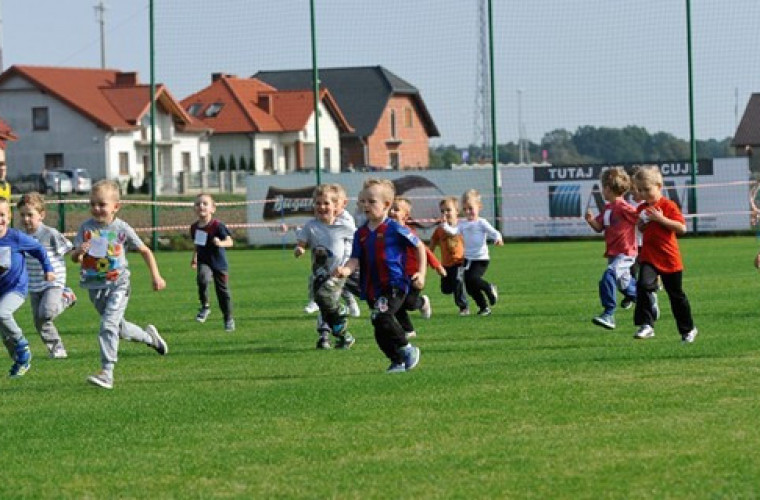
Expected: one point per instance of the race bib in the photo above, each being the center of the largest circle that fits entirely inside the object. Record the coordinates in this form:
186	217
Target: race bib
201	237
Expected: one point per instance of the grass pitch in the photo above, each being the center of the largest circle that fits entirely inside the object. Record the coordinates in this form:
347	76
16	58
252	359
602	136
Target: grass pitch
531	402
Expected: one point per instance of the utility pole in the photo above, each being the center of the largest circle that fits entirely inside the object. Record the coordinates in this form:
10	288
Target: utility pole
522	141
100	13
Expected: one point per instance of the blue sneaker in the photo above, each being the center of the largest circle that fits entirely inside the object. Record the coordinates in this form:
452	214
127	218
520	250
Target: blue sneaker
22	361
396	368
605	320
411	356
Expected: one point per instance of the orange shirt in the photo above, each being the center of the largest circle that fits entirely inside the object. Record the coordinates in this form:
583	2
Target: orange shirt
660	246
452	247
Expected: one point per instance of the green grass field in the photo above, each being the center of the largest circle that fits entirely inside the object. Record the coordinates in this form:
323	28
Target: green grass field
531	402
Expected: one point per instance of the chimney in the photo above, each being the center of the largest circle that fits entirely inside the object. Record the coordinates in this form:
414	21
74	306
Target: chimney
126	79
265	103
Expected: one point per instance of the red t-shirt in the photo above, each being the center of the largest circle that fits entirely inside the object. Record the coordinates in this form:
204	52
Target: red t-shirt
660	246
619	221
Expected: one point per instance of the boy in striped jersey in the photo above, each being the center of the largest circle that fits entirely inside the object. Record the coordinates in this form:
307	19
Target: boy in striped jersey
48	298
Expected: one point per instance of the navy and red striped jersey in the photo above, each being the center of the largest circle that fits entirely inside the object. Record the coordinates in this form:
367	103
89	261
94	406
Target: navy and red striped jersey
382	257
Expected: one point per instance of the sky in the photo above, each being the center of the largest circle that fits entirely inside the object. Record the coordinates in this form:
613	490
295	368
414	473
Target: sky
604	63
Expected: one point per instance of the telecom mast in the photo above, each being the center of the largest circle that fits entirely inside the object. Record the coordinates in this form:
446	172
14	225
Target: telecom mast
482	121
100	14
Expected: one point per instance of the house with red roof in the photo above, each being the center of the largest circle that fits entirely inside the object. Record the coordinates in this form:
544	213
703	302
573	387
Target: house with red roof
265	130
99	119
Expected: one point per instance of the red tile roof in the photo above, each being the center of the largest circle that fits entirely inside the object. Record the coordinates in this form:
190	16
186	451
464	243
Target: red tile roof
250	105
112	99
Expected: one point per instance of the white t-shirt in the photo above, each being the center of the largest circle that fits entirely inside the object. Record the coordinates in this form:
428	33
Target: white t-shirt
475	234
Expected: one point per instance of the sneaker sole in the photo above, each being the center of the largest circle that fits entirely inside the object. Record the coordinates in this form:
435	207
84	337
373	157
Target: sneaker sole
100	383
603	324
21	371
160	344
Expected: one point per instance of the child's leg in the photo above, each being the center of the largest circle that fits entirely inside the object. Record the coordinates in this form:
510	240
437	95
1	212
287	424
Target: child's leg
9	329
389	334
460	295
679	303
402	316
624	278
223	295
327	295
478	288
203	278
46	306
608	290
645	289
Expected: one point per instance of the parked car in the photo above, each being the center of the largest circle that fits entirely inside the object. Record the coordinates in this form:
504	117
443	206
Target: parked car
27	183
56	182
81	182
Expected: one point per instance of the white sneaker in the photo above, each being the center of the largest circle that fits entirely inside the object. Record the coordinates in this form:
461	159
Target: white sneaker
689	337
426	310
311	308
644	332
353	308
411	334
101	379
157	342
58	352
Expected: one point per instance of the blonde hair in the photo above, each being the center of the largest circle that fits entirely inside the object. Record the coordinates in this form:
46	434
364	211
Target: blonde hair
206	195
648	176
453	200
472	196
33	200
616	180
328	190
341	192
386	187
105	186
403	199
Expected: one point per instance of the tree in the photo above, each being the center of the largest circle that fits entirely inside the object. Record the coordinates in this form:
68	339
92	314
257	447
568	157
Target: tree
222	164
232	164
211	165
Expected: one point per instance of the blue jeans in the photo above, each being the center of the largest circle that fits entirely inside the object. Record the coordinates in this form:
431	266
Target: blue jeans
617	276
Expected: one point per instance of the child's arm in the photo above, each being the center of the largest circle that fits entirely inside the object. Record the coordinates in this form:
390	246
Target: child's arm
656	215
433	262
150	261
79	252
194	259
300	248
226	242
418	278
493	233
595	224
345	271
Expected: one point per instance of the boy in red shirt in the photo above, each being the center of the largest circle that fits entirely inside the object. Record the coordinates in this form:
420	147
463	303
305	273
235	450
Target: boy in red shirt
660	221
618	222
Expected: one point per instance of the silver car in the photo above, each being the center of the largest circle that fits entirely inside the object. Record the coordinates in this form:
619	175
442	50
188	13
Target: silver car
56	182
81	182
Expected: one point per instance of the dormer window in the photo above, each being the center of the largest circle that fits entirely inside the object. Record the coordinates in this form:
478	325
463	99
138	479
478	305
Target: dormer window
194	109
213	110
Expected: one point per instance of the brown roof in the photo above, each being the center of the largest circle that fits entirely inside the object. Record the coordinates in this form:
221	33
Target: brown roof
748	131
250	105
112	99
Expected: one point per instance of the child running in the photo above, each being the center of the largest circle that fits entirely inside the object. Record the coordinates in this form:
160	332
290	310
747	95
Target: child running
475	233
660	222
330	244
452	254
379	250
100	246
13	287
209	259
48	298
618	222
401	211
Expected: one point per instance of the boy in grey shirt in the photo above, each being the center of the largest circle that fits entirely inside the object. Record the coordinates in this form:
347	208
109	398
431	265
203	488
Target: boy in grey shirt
330	245
100	246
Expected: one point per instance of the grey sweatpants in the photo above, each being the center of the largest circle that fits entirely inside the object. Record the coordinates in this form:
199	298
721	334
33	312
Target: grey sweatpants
111	304
9	329
46	306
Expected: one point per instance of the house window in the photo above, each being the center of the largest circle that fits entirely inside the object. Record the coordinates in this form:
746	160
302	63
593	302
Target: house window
286	153
326	159
408	123
186	162
213	110
40	119
124	163
268	160
394	160
393	123
194	109
53	161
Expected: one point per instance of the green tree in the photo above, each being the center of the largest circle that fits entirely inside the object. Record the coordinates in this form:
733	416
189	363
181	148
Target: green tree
232	164
222	164
211	164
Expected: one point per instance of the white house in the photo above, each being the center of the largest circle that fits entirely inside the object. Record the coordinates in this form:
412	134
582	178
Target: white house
99	120
266	130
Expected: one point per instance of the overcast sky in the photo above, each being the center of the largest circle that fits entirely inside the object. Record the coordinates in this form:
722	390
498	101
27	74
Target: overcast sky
577	62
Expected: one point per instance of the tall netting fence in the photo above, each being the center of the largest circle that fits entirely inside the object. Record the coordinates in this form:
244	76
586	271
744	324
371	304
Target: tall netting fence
578	86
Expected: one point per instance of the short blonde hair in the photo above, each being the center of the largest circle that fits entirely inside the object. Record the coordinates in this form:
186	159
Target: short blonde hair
616	180
472	196
206	195
33	200
648	176
107	186
341	192
453	200
386	187
403	199
328	190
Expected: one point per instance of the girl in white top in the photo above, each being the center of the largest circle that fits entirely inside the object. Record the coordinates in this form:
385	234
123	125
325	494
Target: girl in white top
475	232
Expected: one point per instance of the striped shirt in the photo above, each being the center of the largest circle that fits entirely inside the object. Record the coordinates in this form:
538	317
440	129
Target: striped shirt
56	246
